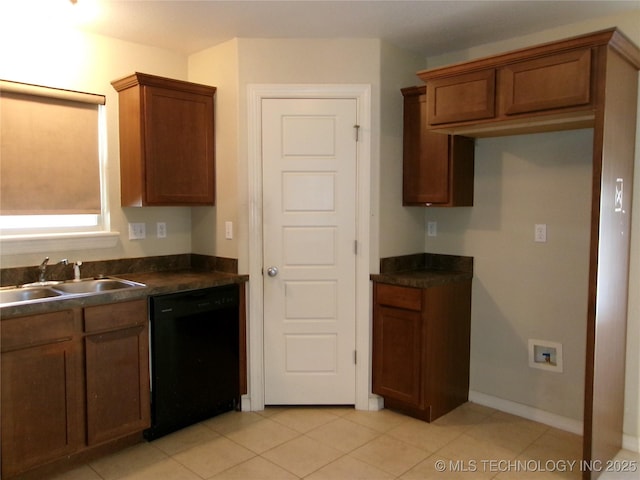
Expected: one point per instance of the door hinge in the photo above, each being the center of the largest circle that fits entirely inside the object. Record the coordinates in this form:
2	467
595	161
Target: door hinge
355	357
357	128
355	247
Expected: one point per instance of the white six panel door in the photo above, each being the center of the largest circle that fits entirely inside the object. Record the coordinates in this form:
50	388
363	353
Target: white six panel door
309	222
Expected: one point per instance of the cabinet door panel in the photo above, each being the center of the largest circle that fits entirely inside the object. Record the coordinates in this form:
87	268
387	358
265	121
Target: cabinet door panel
175	174
117	386
41	407
397	354
461	98
437	169
556	81
425	156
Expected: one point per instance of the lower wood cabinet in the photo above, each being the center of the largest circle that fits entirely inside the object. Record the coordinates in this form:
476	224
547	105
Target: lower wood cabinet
421	347
67	389
117	370
42	396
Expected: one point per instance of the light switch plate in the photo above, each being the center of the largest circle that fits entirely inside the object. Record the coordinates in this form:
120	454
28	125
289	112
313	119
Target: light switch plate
137	231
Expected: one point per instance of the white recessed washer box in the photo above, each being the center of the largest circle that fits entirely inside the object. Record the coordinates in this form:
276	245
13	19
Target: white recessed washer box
545	355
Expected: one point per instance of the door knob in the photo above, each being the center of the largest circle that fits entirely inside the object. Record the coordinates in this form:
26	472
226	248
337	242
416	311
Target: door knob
272	271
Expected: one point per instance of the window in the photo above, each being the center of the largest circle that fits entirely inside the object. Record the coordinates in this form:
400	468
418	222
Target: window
52	146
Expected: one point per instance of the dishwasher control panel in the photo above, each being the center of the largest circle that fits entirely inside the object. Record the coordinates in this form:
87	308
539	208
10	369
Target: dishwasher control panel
194	301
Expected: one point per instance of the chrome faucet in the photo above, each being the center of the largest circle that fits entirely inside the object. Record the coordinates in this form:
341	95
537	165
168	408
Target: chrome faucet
42	277
43	270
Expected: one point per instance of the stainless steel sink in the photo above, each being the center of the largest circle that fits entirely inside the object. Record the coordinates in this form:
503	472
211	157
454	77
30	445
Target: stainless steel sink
95	285
62	290
24	294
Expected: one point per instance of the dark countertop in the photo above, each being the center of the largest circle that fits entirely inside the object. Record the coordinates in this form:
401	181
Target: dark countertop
424	270
156	283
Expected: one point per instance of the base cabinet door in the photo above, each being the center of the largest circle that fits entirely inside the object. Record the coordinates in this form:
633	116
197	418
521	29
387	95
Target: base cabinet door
397	365
42	407
117	366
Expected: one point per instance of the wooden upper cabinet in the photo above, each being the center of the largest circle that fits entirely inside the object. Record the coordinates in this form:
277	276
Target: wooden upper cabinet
554	86
462	98
437	169
552	82
167	141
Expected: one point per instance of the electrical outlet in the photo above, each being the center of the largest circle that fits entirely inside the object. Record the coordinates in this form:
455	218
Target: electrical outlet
540	232
137	231
432	229
161	228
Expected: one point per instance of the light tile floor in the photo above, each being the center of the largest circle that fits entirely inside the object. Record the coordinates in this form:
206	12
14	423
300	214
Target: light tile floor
340	443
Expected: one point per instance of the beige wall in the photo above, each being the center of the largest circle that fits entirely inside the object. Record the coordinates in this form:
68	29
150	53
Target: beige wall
401	229
219	66
78	61
525	290
236	64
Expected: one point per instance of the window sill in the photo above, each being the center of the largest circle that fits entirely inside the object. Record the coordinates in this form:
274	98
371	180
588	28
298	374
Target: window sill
17	244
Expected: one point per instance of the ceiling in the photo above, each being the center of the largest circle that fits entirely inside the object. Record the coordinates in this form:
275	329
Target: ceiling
427	27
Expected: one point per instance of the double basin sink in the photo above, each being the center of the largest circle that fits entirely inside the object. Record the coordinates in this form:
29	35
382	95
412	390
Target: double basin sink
44	291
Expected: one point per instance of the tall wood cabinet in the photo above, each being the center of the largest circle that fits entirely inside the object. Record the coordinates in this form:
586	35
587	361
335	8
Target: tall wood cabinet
437	169
421	342
167	141
589	81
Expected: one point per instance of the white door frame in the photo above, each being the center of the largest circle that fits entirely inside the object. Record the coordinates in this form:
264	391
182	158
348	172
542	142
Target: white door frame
255	93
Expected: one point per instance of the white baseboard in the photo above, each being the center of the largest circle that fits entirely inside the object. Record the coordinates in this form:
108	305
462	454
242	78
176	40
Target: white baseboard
245	403
525	411
376	403
631	443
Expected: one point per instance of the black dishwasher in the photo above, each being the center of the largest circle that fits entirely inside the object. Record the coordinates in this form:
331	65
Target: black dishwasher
194	350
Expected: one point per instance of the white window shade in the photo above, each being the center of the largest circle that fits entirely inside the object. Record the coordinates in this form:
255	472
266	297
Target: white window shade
49	151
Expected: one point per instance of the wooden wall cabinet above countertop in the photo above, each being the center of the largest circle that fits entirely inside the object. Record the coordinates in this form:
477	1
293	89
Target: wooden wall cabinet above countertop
167	142
437	169
549	87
